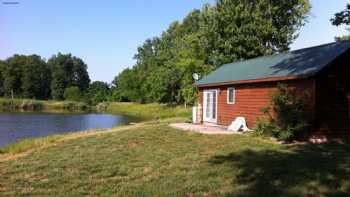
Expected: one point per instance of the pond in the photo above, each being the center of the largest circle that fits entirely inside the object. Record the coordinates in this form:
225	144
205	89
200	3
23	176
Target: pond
15	126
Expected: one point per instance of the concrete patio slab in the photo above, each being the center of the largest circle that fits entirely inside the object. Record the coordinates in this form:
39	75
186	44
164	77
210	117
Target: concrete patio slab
204	129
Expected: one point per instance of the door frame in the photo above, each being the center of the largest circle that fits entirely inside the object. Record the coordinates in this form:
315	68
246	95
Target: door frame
205	119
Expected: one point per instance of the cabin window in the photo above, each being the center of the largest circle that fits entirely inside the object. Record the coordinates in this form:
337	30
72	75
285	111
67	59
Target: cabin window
231	95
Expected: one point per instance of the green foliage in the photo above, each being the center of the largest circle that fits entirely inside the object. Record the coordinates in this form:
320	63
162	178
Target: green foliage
74	106
160	90
2	70
243	29
152	111
128	86
38	105
12	75
342	38
264	127
205	39
342	18
25	76
20	104
31	77
98	92
287	114
67	71
36	78
72	93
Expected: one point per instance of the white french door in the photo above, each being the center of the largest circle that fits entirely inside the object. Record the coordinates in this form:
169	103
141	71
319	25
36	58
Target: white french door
210	106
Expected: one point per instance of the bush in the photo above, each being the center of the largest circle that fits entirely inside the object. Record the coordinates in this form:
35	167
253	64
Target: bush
75	106
73	94
20	104
289	115
264	127
102	107
98	92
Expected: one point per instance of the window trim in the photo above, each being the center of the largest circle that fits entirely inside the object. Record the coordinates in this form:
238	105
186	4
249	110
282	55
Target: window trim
228	95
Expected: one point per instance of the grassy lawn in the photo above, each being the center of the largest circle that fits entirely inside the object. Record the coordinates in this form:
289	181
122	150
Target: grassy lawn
151	111
151	159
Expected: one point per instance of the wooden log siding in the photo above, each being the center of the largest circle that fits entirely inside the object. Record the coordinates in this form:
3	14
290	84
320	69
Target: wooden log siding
251	98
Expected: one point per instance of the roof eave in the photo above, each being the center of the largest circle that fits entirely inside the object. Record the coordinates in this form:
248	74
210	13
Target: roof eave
261	80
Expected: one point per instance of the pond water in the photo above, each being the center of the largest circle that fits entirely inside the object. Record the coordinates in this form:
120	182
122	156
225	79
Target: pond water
15	126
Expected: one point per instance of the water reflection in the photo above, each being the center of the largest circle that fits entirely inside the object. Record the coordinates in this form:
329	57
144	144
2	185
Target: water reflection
18	125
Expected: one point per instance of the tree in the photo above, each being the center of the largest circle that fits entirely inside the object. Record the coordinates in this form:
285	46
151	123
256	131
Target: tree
128	86
2	69
13	75
160	90
80	74
35	78
244	29
231	30
98	92
25	76
73	93
66	71
342	18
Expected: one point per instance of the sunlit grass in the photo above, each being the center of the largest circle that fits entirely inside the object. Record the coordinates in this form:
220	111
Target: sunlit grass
155	160
28	144
152	159
152	111
25	104
37	105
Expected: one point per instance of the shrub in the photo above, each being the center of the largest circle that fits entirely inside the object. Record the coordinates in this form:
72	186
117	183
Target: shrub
20	104
102	106
75	106
73	94
263	127
289	115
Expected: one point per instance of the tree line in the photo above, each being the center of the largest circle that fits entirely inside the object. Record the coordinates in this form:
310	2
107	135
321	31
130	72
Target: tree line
62	77
228	31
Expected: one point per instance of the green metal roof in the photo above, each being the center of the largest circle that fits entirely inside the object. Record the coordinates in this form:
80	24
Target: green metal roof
302	62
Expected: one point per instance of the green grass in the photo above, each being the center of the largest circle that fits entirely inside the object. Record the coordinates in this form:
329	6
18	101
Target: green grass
29	144
152	111
24	104
149	112
38	105
66	105
153	159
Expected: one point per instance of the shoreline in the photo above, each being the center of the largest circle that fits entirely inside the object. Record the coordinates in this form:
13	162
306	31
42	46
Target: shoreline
26	146
7	104
146	113
152	158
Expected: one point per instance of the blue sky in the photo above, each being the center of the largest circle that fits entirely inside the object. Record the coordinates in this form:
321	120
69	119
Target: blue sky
106	34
